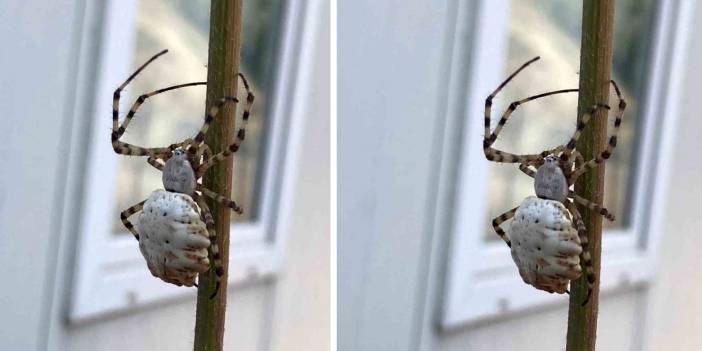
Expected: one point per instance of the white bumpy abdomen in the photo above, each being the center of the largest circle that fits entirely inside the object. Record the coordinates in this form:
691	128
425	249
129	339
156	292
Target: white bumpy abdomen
172	237
545	246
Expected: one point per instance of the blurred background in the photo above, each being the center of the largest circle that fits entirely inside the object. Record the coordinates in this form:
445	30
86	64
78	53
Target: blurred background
74	276
420	267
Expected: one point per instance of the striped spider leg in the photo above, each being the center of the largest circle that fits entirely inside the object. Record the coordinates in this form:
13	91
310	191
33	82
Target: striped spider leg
118	130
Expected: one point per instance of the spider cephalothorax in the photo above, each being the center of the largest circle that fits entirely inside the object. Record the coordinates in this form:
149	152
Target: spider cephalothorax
178	174
550	182
558	169
173	249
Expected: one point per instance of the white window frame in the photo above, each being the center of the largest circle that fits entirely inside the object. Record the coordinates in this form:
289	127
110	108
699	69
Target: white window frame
482	281
110	274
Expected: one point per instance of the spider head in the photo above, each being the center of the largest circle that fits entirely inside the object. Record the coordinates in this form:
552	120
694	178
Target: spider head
551	160
179	153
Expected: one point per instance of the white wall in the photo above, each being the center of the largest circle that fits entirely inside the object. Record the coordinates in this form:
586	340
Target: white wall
46	85
390	59
675	306
36	103
302	320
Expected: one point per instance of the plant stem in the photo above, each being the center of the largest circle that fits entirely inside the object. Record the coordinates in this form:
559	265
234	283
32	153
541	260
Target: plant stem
595	73
223	67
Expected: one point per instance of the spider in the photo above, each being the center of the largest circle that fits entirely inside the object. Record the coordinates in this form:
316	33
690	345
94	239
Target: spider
556	170
182	164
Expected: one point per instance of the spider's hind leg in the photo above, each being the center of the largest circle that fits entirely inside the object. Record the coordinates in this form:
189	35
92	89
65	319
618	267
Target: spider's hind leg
585	257
127	213
499	220
214	247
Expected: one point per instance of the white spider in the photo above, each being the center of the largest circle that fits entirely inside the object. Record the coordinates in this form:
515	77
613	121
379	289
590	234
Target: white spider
175	229
546	228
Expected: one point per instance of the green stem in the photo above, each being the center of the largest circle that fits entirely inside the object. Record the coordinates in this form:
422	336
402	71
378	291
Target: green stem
223	67
595	73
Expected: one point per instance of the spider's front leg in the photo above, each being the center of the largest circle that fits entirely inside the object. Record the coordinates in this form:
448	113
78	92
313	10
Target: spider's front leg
204	152
240	135
612	140
155	163
527	169
607	153
127	213
118	130
591	205
493	154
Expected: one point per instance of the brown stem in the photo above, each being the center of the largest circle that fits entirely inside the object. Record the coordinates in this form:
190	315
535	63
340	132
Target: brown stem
223	67
595	72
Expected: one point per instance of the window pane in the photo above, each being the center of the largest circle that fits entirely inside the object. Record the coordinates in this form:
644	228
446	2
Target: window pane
182	26
551	29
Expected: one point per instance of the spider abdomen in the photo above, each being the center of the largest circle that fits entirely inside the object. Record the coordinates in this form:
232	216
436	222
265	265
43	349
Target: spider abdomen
545	246
173	238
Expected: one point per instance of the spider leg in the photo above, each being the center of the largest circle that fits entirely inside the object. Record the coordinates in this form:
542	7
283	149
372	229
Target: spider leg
579	160
127	213
222	200
576	160
155	162
526	169
591	205
499	220
604	155
491	153
214	247
488	100
209	117
118	91
585	257
122	147
141	99
490	139
203	154
240	135
582	122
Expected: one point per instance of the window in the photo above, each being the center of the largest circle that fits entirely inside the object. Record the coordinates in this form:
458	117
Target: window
110	272
483	281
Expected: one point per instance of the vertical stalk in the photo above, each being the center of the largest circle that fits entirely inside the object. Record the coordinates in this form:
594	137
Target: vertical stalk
595	73
223	67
